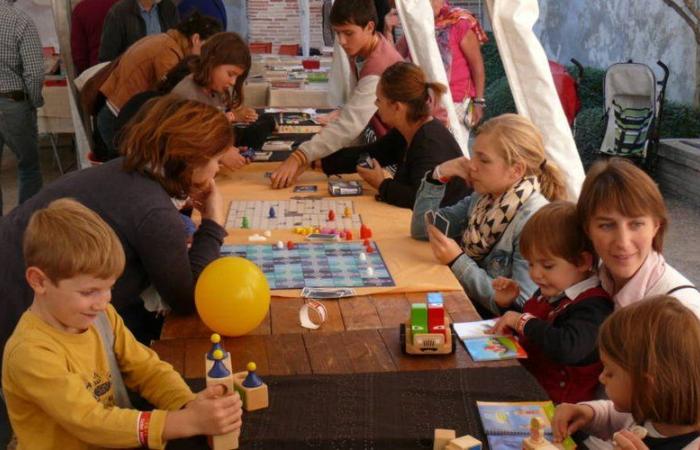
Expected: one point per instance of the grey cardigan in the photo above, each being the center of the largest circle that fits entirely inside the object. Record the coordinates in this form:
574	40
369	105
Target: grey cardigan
504	259
124	25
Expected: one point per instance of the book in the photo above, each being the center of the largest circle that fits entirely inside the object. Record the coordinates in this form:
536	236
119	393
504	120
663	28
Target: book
506	424
483	346
277	146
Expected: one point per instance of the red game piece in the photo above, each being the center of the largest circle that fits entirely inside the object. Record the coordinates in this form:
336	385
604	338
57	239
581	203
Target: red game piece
290	245
342	235
331	215
369	249
365	232
348	235
365	242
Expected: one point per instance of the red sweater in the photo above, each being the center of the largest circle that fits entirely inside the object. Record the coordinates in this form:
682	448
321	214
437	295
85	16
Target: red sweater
86	30
561	343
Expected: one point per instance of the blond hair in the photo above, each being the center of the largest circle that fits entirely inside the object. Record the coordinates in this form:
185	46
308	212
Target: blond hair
657	342
518	140
558	221
67	239
617	185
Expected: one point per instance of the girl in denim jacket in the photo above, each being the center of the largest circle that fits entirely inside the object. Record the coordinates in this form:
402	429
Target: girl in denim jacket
512	179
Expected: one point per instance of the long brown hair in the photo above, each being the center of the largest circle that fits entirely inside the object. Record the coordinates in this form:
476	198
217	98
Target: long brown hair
518	140
170	136
405	82
618	185
657	342
220	49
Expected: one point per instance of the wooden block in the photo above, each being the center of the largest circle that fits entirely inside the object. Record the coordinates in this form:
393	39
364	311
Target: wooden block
466	442
442	438
228	441
253	398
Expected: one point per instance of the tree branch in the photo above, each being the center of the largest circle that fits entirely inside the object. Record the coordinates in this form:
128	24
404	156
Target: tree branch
684	15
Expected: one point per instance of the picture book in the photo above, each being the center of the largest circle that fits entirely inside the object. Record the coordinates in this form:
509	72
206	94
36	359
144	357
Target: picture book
483	346
507	423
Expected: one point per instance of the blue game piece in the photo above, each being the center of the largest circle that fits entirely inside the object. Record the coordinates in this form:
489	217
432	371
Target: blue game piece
435	298
216	345
272	213
248	153
218	370
252	379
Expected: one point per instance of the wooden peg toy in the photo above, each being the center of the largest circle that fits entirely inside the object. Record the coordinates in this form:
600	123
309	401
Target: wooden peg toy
442	437
219	374
536	440
466	442
251	388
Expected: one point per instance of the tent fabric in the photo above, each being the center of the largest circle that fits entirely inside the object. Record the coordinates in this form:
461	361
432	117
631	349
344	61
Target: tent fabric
530	80
419	29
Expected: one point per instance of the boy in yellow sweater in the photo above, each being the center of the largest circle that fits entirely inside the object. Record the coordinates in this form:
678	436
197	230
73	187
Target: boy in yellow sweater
63	366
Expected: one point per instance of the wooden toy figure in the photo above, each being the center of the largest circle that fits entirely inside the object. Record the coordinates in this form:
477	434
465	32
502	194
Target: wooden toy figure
209	357
251	388
442	437
219	374
536	441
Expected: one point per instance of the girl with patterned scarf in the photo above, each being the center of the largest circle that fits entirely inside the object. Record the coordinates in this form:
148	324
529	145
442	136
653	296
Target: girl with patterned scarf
512	179
459	37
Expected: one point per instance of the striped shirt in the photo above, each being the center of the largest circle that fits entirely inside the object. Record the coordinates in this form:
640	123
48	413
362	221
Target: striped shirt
21	59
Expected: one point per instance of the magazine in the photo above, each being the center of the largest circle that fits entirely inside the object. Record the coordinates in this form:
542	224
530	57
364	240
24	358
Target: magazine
483	346
506	424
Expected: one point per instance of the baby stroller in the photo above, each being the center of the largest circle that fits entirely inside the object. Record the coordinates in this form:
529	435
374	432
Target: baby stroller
633	107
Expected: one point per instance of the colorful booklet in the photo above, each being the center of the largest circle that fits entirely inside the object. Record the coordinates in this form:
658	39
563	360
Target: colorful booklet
507	423
487	347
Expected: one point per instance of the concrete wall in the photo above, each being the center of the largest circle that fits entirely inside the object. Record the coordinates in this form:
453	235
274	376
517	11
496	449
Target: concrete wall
601	32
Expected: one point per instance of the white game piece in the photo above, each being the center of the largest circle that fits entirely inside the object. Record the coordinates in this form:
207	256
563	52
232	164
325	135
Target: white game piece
280	245
267	233
256	238
363	257
370	272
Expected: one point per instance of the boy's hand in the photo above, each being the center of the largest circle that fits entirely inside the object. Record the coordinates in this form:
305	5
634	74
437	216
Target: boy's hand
506	323
287	173
627	440
325	119
373	176
246	114
505	291
569	418
216	412
444	248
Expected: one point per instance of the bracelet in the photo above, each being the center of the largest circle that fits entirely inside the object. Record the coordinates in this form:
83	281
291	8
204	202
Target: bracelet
520	328
143	422
438	176
479	101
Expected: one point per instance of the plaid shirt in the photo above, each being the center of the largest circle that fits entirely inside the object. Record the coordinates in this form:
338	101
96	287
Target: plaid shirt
21	58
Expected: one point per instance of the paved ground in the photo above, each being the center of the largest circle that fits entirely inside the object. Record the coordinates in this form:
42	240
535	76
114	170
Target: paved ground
682	246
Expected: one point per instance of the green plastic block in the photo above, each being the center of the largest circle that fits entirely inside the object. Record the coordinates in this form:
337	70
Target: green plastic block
419	318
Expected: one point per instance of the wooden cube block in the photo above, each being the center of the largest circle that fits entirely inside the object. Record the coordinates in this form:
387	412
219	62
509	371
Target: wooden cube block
442	438
464	443
253	398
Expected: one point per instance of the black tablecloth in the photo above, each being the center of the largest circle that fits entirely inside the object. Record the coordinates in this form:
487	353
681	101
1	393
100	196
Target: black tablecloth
397	410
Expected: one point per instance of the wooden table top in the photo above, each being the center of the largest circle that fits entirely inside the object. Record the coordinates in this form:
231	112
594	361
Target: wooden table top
361	334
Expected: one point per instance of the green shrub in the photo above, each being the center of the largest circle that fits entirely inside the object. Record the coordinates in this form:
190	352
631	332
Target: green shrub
499	99
590	90
679	121
589	134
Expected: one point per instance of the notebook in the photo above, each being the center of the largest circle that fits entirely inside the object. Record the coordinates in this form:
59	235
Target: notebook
507	423
487	347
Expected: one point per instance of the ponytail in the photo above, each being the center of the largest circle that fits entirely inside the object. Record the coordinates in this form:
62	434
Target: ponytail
405	82
552	182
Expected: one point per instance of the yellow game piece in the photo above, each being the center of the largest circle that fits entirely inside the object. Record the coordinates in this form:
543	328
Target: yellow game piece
251	367
215	338
348	212
218	354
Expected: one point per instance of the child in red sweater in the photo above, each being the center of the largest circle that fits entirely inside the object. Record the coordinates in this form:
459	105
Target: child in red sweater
559	325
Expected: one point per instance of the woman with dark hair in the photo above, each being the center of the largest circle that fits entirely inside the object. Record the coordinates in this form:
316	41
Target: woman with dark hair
144	64
416	143
171	151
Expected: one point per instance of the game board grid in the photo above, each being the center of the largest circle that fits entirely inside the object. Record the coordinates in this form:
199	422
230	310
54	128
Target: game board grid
292	213
334	264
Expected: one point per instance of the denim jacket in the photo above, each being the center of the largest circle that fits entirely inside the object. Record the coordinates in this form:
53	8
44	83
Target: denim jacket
504	260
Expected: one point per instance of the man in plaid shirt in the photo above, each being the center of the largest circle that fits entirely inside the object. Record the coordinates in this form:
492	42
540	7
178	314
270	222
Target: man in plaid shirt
21	79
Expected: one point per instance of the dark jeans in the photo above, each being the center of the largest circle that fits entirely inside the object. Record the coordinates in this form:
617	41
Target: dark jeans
18	130
106	127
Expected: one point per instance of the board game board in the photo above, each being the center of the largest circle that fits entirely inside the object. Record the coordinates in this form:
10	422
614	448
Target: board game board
292	213
334	264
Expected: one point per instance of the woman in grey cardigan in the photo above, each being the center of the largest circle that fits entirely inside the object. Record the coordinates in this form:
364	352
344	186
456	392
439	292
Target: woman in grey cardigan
511	179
